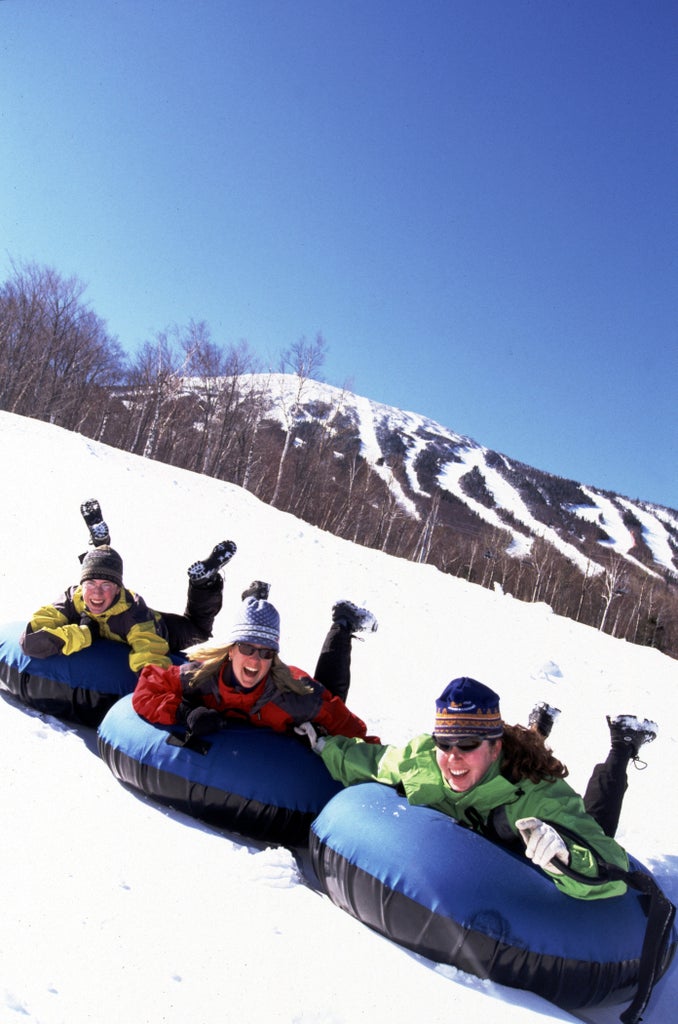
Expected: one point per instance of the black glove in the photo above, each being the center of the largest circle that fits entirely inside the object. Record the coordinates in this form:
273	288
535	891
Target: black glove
200	720
92	625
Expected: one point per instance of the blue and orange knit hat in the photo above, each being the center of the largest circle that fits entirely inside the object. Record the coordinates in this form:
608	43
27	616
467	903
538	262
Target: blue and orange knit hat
468	708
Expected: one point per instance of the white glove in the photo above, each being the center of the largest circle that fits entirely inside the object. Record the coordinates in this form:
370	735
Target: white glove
316	742
542	844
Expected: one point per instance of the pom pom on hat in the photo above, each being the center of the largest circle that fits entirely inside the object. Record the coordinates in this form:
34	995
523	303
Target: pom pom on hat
102	563
468	708
257	623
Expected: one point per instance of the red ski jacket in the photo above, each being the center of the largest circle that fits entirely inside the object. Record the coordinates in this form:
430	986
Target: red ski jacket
160	691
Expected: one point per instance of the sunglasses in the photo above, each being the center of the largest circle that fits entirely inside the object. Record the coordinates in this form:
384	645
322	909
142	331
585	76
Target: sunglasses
465	743
265	653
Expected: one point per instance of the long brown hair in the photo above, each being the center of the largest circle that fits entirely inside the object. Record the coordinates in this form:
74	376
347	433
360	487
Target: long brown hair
526	756
209	660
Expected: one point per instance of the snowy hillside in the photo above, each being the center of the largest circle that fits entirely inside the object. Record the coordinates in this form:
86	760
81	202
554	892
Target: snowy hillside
503	478
117	910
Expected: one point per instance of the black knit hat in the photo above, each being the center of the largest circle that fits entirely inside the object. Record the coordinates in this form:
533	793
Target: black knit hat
102	563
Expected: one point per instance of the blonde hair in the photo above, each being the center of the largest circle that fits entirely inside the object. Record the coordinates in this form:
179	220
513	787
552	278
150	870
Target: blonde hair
210	660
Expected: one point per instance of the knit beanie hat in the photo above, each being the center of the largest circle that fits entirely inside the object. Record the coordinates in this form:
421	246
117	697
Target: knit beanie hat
102	563
468	708
258	623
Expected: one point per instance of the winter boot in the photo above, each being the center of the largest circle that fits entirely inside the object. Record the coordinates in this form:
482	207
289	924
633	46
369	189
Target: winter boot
542	718
202	574
98	529
354	618
628	734
258	589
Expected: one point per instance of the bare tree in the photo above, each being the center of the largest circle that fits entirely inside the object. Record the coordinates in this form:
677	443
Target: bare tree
422	549
213	389
54	350
241	402
613	586
303	358
540	561
153	389
254	404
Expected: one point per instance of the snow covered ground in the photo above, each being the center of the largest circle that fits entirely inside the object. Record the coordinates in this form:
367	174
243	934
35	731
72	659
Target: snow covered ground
116	910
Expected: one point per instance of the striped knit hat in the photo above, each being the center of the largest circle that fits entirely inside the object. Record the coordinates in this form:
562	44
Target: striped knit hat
102	563
258	623
468	708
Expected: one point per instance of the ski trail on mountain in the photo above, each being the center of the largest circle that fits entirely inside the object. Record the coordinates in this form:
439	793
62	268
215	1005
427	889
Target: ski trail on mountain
371	450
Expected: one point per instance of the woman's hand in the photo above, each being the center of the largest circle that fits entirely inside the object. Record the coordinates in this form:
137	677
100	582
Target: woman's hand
201	720
543	844
315	742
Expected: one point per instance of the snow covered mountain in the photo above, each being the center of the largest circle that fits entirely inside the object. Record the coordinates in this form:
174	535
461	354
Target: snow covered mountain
403	484
400	482
416	458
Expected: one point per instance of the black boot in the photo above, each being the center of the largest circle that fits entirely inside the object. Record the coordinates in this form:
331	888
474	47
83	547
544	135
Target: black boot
354	618
98	529
258	589
203	573
542	718
628	734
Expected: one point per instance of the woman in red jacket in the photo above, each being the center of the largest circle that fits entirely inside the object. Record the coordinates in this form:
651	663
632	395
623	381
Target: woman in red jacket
244	678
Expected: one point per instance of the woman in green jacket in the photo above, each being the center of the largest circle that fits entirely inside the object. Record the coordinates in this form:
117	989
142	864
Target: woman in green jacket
497	779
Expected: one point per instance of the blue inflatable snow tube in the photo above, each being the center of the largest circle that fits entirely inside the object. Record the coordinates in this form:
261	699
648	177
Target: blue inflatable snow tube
416	876
80	687
259	783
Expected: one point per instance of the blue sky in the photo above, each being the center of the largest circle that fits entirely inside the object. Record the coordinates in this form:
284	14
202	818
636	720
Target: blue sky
473	202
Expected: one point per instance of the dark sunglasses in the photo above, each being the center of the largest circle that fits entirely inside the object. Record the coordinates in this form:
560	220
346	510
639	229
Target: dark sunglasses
465	743
265	653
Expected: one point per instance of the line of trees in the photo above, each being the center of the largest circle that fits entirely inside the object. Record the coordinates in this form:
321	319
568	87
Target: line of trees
55	353
188	401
